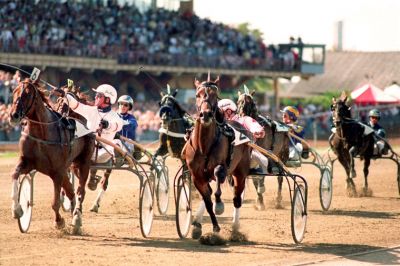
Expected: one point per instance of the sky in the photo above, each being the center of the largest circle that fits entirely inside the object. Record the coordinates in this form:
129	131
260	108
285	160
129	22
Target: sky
368	25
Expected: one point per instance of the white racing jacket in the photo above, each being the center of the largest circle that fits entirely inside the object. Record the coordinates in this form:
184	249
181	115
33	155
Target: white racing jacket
94	116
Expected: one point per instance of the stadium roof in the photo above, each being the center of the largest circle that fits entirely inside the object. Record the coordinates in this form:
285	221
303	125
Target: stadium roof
350	70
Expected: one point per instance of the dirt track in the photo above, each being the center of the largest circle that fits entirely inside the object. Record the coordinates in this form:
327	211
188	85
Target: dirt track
113	235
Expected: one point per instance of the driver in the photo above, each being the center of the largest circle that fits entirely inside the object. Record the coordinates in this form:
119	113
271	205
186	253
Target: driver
229	108
101	119
380	147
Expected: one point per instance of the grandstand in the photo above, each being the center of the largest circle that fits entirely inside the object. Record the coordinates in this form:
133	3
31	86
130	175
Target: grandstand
139	47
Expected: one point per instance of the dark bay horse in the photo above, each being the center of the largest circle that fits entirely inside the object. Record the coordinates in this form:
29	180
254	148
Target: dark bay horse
350	141
174	122
47	145
275	141
208	158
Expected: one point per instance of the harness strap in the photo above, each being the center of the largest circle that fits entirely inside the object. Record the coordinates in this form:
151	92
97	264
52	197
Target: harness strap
171	133
47	141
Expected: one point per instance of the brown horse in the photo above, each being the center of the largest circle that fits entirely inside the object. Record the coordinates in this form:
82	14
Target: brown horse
48	146
277	142
208	158
350	141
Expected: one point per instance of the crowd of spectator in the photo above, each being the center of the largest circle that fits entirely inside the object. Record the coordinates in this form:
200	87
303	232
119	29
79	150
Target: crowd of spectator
110	30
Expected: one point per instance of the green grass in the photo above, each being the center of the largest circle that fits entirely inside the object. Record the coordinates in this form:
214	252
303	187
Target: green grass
8	154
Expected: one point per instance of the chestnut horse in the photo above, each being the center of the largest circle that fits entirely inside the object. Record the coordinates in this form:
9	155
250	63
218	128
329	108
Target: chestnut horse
48	146
349	141
277	142
208	158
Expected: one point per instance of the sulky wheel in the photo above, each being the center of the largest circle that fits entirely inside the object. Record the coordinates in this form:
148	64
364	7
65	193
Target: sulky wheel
325	189
299	215
146	208
162	191
25	200
183	206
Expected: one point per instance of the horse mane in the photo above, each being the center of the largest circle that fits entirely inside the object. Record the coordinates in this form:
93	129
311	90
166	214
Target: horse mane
43	93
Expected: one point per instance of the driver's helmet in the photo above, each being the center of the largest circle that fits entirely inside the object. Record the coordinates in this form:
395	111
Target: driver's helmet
108	91
227	104
292	112
374	113
126	99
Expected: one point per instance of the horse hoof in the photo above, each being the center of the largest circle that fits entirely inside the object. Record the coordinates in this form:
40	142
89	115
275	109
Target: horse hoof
259	204
196	232
219	208
77	230
59	224
17	212
235	227
216	229
366	192
95	208
77	220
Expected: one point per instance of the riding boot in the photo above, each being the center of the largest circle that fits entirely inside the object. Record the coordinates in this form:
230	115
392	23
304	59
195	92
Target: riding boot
93	180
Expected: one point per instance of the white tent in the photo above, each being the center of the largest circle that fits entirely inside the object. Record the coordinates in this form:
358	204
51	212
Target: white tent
393	90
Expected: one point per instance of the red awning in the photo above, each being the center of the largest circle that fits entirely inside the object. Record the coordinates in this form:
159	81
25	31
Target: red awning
370	94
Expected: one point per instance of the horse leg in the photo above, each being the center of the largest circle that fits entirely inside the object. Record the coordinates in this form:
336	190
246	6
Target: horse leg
21	168
196	229
352	153
93	181
220	174
68	190
59	222
345	162
366	191
278	203
206	191
237	201
104	185
80	196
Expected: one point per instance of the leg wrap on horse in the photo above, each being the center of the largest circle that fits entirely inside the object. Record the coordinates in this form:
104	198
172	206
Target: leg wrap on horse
220	173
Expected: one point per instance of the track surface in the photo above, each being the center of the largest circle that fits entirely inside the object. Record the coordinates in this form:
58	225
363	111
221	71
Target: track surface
352	226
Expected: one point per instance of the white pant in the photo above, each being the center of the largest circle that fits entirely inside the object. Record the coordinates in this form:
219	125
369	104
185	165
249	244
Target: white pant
260	159
295	152
105	154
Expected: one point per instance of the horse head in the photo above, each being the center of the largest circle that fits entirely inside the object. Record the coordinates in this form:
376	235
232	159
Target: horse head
246	104
25	97
207	95
340	109
169	108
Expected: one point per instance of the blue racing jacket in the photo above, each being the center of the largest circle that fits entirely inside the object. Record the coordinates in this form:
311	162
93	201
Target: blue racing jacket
129	129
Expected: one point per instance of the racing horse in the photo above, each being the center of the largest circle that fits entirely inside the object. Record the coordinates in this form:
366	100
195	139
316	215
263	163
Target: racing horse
208	157
349	140
174	123
48	146
275	141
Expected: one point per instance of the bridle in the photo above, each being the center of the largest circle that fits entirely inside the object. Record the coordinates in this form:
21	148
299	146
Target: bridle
22	113
207	86
165	129
342	120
